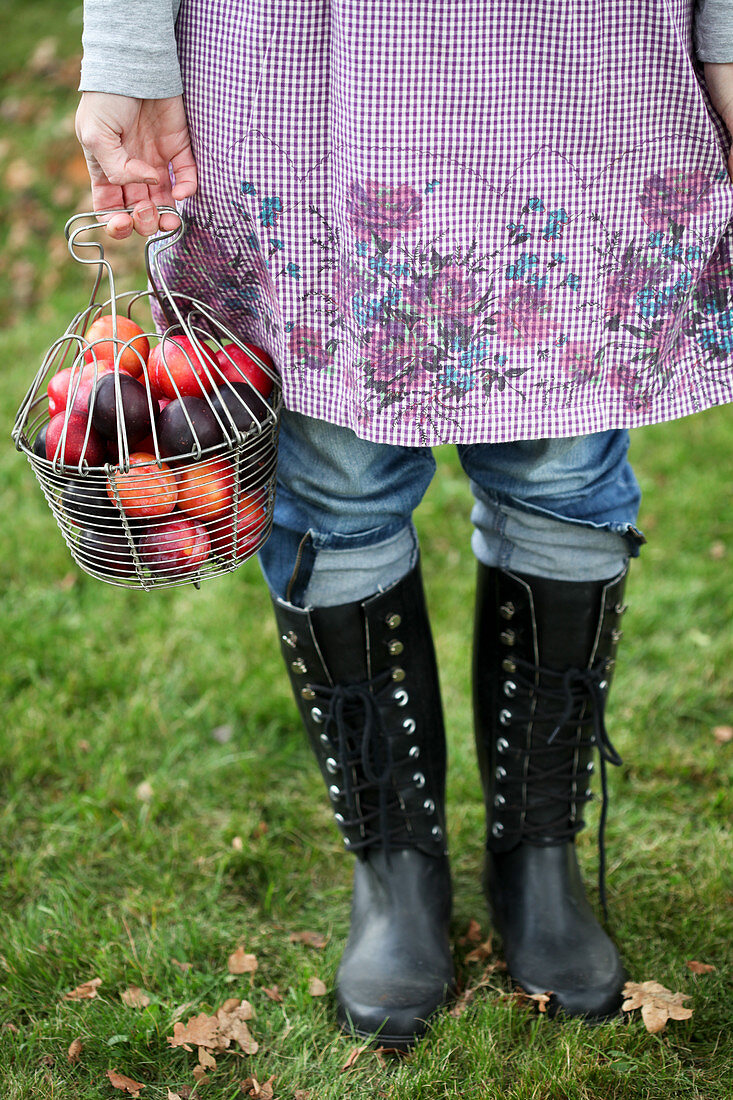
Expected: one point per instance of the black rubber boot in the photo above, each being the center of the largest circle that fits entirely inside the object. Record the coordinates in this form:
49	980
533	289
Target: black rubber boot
366	683
543	658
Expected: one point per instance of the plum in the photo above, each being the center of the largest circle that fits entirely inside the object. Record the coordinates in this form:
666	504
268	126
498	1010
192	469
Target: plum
135	409
174	433
87	505
74	449
245	405
39	443
175	547
105	552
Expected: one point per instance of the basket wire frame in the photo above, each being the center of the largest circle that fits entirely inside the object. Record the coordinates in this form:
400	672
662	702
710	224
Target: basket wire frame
175	518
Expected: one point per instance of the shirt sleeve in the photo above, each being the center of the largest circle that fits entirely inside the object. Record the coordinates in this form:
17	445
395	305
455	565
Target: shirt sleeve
129	48
713	30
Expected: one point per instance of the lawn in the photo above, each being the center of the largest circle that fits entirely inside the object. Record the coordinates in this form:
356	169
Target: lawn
159	808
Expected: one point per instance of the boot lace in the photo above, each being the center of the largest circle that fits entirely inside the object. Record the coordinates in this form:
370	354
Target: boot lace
354	724
573	700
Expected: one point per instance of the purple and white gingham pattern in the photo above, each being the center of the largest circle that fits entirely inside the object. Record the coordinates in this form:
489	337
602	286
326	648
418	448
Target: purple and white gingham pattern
468	222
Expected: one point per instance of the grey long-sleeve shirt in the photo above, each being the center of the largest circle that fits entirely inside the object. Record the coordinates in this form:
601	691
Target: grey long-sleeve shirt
130	48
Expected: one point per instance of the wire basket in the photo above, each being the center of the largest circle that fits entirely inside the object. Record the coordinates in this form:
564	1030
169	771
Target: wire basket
156	452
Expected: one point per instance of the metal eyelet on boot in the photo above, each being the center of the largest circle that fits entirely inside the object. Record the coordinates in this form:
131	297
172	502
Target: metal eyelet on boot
334	792
590	767
339	819
324	739
510	688
436	832
307	692
347	842
507	610
395	647
500	773
409	725
505	717
290	639
502	745
508	637
497	829
393	620
508	665
401	697
414	752
317	715
499	800
398	674
429	806
419	780
332	765
299	665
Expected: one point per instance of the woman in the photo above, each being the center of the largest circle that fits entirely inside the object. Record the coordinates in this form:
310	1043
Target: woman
503	226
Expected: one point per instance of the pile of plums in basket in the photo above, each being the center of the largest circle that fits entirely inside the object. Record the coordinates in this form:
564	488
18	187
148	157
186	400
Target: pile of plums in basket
179	515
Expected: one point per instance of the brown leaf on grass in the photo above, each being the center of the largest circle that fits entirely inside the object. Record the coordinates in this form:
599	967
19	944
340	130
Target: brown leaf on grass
124	1084
232	1019
462	1002
698	967
205	1059
74	1052
354	1054
200	1031
310	939
273	993
184	966
302	1094
199	1075
472	934
135	997
184	1093
317	988
480	953
241	963
13	1028
252	1087
173	1095
657	1003
723	734
520	996
84	992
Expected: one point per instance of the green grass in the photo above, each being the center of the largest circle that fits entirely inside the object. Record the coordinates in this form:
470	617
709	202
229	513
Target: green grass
103	689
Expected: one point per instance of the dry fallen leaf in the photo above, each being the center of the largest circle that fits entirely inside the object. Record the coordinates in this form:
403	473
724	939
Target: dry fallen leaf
273	993
144	791
472	934
125	1084
310	939
241	963
480	953
354	1054
657	1003
74	1052
199	1075
200	1031
237	843
232	1019
135	997
723	734
698	967
316	988
205	1059
85	991
252	1087
462	1002
302	1094
173	1095
182	965
540	999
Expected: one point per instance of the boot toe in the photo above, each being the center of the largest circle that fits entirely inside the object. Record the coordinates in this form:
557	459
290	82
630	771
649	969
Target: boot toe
592	991
395	1012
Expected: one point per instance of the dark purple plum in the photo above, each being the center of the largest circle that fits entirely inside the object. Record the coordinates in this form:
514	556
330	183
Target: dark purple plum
86	504
174	432
39	443
136	413
105	552
245	405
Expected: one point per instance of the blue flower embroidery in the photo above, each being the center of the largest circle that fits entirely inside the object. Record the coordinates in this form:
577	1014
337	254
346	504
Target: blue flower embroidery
270	210
556	219
293	269
430	187
524	264
535	204
247	188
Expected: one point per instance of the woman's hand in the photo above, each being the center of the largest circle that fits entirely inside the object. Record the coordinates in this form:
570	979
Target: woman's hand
719	81
129	144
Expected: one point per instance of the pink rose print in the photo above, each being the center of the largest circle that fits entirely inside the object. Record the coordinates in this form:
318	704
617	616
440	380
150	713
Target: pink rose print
524	315
306	347
450	293
675	197
378	208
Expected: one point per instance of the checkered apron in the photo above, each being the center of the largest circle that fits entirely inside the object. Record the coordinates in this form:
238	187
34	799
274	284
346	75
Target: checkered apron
462	222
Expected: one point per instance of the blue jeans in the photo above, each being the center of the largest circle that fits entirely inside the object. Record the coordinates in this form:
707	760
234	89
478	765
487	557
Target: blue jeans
343	530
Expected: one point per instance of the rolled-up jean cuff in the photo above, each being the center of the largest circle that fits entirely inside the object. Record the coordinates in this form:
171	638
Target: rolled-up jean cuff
511	534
